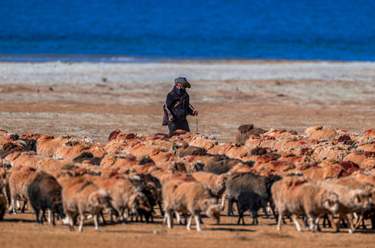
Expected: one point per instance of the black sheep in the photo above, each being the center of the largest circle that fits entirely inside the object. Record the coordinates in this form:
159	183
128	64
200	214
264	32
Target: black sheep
3	206
44	193
249	185
249	200
151	187
220	164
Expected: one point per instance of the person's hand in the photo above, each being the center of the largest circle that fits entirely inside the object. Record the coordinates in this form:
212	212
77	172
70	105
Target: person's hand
195	112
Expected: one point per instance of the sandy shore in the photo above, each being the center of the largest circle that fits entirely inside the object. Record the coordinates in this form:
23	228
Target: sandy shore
92	99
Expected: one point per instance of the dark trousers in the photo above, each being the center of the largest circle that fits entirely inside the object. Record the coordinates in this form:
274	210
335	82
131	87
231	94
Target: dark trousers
178	124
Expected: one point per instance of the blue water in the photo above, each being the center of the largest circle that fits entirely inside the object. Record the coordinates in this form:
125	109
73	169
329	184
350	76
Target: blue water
195	29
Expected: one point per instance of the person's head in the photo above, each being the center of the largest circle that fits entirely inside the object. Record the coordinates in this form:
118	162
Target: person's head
179	86
181	83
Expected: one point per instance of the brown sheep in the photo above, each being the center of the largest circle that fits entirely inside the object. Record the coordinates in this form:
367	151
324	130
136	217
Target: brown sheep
362	182
29	159
320	133
297	196
82	197
19	180
125	197
245	131
189	198
47	145
215	183
201	141
323	171
351	200
70	149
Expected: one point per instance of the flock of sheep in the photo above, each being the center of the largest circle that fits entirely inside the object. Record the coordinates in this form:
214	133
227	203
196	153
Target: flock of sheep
324	177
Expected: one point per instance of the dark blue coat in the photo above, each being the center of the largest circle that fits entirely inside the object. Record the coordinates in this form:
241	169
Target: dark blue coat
178	104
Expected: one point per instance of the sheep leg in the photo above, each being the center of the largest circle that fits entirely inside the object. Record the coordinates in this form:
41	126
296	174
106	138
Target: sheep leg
359	221
42	216
151	218
96	221
343	222
335	224
280	221
111	219
350	223
317	226
326	221
81	217
240	217
53	218
126	215
23	209
165	219
200	219
306	221
222	204
230	207
4	190
49	216
70	222
168	216
296	223
116	215
190	219
178	218
272	206
13	205
363	223
37	214
197	222
372	219
254	214
161	209
311	222
122	217
102	217
266	215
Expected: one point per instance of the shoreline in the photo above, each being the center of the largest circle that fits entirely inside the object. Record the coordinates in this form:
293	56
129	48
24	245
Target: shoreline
116	58
158	72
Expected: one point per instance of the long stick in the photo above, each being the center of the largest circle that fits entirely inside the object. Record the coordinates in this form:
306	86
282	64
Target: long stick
196	119
196	124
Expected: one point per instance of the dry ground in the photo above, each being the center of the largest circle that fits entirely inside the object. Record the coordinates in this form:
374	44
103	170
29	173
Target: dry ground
20	231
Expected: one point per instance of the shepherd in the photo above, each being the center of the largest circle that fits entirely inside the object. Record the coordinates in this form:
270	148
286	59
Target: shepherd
177	107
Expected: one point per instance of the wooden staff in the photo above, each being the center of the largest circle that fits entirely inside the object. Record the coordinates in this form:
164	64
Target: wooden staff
196	119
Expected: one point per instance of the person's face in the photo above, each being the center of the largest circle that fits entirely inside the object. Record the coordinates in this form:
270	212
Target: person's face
179	86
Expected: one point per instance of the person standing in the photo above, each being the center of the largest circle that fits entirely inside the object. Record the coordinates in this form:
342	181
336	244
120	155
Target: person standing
177	107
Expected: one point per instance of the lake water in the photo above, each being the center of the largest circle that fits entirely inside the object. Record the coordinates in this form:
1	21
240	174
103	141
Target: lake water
115	30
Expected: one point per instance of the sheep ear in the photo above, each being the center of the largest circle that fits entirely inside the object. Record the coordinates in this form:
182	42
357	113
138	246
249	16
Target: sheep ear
227	175
135	177
206	203
94	199
132	199
357	198
324	196
333	196
369	188
289	184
